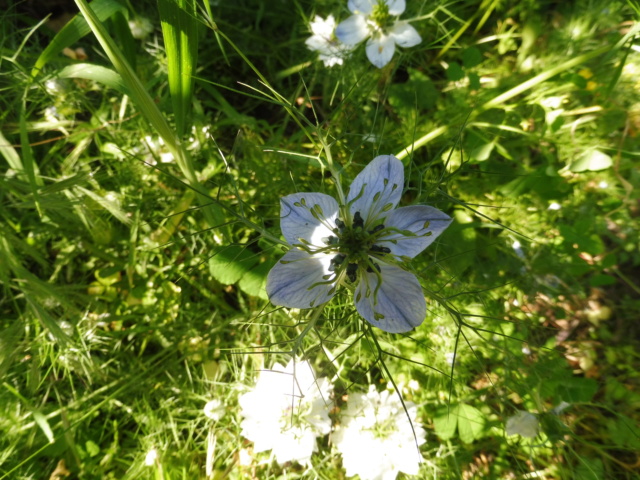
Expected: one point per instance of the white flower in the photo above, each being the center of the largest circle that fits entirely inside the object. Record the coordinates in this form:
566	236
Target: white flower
522	423
324	41
362	245
286	411
376	436
140	27
151	457
213	409
377	20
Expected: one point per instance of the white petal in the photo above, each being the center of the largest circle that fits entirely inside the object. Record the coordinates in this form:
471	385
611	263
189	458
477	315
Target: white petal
361	6
405	35
377	189
399	302
424	221
298	220
353	30
294	280
396	7
380	51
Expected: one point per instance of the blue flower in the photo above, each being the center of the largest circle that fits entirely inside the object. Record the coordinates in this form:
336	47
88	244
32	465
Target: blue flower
377	21
363	245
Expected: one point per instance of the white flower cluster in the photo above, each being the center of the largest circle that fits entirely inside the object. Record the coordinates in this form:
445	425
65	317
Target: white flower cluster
288	410
375	20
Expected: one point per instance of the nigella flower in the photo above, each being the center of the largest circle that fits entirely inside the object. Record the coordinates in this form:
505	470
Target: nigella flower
523	423
324	41
363	245
377	20
377	438
286	411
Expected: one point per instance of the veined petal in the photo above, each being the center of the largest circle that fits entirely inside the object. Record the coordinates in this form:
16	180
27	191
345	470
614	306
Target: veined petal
377	189
405	35
380	51
423	221
396	7
353	30
361	6
397	306
310	216
297	281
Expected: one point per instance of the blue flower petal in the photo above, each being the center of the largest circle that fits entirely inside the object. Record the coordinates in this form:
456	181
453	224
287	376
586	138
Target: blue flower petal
425	222
377	189
310	216
353	30
297	281
396	7
397	306
361	6
380	50
405	35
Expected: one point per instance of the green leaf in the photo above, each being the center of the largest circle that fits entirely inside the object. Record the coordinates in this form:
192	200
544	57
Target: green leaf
593	160
602	279
577	389
471	423
180	31
471	57
455	72
445	423
589	469
254	281
92	448
229	264
74	31
97	73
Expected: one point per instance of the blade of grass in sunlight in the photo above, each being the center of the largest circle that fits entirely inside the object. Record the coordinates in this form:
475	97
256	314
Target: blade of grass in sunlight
74	31
10	155
149	109
508	95
180	32
97	73
30	167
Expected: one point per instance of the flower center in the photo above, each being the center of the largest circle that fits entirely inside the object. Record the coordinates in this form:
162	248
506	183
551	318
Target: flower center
380	15
356	247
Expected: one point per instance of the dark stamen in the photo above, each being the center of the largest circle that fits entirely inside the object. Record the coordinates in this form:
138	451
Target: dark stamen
352	269
358	221
377	228
379	249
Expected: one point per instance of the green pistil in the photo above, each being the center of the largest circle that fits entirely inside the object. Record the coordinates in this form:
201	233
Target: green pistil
380	15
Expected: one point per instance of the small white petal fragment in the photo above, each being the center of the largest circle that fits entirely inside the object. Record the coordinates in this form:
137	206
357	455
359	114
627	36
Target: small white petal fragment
353	30
299	218
213	409
151	457
379	184
425	222
523	423
398	304
296	281
405	35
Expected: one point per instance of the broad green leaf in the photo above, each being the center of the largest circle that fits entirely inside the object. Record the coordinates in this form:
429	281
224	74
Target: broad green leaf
589	469
593	160
42	422
471	423
97	73
471	57
255	280
74	31
229	264
455	72
577	389
445	423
